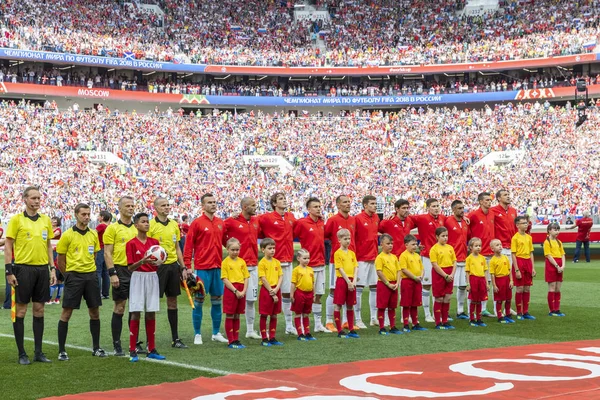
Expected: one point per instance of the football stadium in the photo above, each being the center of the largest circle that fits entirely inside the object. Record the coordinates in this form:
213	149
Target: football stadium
309	199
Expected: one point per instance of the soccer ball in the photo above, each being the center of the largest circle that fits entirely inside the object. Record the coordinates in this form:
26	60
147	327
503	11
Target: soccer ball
157	255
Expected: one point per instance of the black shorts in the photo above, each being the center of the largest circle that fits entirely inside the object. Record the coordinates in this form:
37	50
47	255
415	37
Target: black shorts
78	285
122	292
168	280
33	283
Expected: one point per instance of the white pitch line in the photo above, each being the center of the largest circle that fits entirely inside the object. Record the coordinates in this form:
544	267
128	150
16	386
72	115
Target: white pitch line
170	363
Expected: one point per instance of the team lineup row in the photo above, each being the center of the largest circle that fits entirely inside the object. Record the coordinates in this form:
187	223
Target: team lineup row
237	282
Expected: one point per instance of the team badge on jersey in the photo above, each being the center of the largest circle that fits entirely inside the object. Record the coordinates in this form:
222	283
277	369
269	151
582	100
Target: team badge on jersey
44	234
91	249
174	238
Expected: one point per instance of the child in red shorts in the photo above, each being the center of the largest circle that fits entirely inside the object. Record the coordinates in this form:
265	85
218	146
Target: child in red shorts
346	268
443	261
301	294
555	266
521	247
502	281
411	271
234	275
270	277
388	274
475	268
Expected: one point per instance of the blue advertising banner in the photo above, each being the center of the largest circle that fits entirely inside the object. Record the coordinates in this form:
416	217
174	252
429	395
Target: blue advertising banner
358	101
109	62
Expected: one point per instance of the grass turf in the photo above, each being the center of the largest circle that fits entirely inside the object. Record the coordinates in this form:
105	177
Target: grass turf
84	373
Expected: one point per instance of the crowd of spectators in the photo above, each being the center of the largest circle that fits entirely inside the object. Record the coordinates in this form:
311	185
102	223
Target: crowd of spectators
414	154
253	32
277	88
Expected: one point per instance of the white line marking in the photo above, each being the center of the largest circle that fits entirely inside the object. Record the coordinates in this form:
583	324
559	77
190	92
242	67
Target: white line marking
165	362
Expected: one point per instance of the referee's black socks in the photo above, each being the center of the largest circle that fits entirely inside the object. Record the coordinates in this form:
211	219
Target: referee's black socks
116	326
95	331
19	329
38	333
172	315
63	329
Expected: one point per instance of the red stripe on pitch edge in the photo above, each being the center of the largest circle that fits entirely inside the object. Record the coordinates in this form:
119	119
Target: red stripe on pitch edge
526	372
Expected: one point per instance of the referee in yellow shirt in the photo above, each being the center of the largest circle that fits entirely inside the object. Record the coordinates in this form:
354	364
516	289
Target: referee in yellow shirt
29	235
115	238
166	231
76	260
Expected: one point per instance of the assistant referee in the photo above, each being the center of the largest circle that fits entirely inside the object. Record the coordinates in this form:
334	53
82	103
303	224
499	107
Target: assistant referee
115	238
167	232
77	250
28	235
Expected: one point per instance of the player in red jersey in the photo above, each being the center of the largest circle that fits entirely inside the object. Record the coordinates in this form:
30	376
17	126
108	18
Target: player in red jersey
366	242
398	226
584	226
426	225
204	245
504	225
245	228
458	230
341	220
311	233
481	225
279	226
184	227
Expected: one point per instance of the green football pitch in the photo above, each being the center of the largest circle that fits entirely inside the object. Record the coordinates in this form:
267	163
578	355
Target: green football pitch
83	373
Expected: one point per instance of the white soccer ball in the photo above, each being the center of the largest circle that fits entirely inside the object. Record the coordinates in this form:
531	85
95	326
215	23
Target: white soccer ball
157	255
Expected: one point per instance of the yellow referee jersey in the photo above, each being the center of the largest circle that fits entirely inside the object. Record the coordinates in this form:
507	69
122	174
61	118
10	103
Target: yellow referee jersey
345	260
303	278
410	262
235	271
388	264
553	248
31	235
168	234
118	235
476	265
500	266
79	247
270	269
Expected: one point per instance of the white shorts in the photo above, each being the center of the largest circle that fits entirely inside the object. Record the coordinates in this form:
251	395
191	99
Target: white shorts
460	277
508	254
319	280
286	283
332	278
426	270
252	292
487	273
144	292
366	274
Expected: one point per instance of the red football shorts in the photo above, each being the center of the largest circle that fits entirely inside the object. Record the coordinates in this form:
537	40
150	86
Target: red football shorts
552	274
231	304
303	302
478	288
439	285
342	295
266	304
386	297
411	293
504	290
526	268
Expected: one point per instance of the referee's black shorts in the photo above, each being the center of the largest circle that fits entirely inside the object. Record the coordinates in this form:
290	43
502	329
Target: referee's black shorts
78	285
124	275
33	283
169	279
